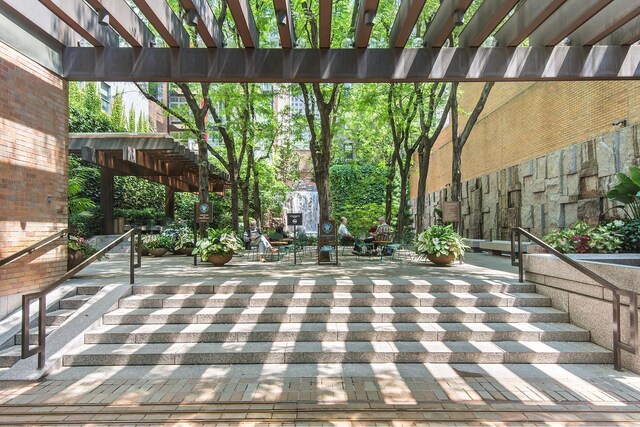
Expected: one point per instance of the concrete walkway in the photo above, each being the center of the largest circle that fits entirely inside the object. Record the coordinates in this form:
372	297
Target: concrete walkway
322	393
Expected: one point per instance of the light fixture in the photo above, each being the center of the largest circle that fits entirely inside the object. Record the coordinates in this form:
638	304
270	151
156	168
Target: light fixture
192	18
565	42
281	17
458	17
369	17
103	17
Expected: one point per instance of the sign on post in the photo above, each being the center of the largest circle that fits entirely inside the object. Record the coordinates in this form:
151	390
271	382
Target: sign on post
204	213
451	212
294	219
327	241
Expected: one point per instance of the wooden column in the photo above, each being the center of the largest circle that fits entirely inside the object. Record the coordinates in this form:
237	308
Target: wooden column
170	202
106	200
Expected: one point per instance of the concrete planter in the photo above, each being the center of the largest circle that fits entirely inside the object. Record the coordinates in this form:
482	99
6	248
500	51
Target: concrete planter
441	260
220	260
158	252
589	304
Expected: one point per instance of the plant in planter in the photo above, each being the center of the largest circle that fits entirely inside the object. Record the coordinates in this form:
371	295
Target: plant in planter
219	246
440	244
583	238
78	250
159	246
185	242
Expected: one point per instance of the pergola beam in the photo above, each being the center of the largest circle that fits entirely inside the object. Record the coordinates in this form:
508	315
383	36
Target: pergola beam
526	18
205	21
325	23
367	11
626	35
125	21
285	23
83	20
484	21
405	20
569	17
612	17
245	23
39	18
443	22
161	16
352	65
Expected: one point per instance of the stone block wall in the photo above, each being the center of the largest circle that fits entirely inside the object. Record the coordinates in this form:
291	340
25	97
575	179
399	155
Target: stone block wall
551	191
33	173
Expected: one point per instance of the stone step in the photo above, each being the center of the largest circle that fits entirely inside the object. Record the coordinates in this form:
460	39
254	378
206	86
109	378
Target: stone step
448	285
333	314
74	302
33	334
354	299
298	332
87	289
57	317
337	352
10	356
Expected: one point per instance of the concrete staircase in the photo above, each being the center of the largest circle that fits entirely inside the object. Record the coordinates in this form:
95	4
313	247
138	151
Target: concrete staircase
56	316
326	320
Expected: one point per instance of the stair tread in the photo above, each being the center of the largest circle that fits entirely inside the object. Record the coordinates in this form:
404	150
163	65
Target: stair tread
336	295
63	312
341	347
337	326
81	297
345	310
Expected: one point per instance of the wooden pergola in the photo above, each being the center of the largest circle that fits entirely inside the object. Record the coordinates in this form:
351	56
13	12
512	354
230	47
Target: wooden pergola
155	157
504	40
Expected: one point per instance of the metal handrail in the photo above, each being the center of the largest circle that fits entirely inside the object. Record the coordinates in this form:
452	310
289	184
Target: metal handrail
618	345
35	247
41	295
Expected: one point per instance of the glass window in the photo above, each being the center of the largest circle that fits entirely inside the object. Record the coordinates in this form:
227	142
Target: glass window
105	97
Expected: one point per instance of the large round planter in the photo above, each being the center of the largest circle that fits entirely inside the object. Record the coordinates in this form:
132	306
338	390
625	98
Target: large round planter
74	258
186	251
145	251
441	260
220	260
157	252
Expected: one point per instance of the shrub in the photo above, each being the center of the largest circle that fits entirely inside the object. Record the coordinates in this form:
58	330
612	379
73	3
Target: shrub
87	223
627	190
630	234
440	240
583	238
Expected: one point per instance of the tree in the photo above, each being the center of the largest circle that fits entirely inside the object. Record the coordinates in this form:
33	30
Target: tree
131	124
458	140
117	111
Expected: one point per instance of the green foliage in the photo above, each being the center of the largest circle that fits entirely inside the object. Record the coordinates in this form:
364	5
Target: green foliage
584	238
358	193
140	216
131	192
627	190
117	112
160	242
79	244
440	240
77	203
218	242
86	223
131	123
630	235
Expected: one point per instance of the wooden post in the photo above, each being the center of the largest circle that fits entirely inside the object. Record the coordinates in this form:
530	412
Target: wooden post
170	202
106	200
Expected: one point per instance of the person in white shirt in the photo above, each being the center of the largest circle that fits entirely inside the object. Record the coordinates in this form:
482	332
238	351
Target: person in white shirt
253	236
342	230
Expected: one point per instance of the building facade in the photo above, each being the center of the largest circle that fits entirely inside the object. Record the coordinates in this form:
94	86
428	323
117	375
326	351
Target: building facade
541	156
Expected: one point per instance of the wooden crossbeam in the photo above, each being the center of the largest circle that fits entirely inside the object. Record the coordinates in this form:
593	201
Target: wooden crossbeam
484	21
612	17
161	16
245	23
124	20
526	18
443	22
84	20
284	21
325	23
405	20
367	11
200	15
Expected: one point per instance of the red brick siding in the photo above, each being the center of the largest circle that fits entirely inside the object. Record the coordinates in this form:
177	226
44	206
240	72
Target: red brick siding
33	166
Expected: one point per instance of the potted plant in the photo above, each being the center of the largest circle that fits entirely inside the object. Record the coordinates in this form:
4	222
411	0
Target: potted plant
218	247
184	243
78	250
159	246
441	244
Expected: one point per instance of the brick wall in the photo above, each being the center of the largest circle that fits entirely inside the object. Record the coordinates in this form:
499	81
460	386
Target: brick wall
541	156
522	121
33	172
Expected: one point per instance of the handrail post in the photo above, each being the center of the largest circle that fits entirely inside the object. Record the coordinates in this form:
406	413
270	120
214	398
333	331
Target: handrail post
42	329
520	263
132	258
139	234
25	326
617	353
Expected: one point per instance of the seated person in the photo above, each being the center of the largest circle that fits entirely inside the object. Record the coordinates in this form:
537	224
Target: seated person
281	231
253	236
345	237
357	248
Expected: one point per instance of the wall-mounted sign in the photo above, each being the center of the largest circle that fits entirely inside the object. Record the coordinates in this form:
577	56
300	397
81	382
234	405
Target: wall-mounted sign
451	212
294	219
204	213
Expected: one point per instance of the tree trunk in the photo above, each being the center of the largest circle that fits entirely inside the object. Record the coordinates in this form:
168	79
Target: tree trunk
234	202
424	156
203	172
388	197
257	204
456	174
402	208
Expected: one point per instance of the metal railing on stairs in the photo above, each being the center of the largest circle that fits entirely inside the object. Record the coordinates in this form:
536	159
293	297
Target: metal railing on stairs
618	344
39	245
41	295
